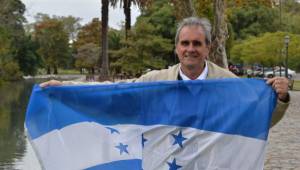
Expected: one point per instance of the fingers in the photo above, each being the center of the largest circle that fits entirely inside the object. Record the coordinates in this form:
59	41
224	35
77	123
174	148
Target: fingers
51	83
280	85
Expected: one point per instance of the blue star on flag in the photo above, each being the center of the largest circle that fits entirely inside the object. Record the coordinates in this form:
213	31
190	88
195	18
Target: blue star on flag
112	130
123	148
179	139
143	140
173	165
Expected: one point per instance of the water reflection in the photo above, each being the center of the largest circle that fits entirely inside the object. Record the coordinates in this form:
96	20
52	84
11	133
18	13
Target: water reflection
13	145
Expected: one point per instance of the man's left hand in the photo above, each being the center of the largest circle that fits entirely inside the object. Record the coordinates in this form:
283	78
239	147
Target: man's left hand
281	86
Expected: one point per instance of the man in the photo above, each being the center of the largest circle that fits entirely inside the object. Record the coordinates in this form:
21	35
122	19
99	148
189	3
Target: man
192	42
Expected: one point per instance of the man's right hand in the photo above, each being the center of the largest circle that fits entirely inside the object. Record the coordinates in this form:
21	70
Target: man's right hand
51	83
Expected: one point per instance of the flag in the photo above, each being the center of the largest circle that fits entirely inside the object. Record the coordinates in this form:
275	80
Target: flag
170	125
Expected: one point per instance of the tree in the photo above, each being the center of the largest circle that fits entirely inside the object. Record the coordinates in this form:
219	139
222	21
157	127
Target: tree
160	15
127	10
219	35
12	34
183	9
104	15
205	8
9	69
89	33
266	50
5	43
71	26
11	17
253	20
87	57
104	74
246	3
30	61
114	39
53	43
150	44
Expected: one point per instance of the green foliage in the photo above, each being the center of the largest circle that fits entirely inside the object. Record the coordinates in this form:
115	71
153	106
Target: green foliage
290	16
253	20
11	17
150	42
53	43
204	8
161	16
30	60
11	38
267	50
5	43
291	6
9	71
142	52
71	26
245	3
114	39
87	46
87	56
89	33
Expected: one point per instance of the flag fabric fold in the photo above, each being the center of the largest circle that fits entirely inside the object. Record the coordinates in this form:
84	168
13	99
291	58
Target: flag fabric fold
186	125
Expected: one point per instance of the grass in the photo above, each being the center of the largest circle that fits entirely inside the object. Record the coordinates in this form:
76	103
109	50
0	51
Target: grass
61	71
296	85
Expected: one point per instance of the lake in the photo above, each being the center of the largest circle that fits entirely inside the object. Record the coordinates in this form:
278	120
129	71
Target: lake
15	150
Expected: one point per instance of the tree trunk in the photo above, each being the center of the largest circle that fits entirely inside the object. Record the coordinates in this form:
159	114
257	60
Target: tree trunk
104	73
48	70
183	8
55	70
219	35
127	12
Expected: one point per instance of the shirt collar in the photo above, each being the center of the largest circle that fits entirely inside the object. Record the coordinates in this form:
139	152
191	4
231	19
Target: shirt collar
202	76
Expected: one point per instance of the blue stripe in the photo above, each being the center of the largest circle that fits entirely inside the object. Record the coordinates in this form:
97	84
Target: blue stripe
133	164
232	106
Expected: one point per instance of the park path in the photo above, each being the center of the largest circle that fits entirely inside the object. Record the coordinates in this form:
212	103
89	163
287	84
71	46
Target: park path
283	151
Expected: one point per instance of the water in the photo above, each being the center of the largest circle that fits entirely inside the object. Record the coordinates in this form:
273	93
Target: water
15	150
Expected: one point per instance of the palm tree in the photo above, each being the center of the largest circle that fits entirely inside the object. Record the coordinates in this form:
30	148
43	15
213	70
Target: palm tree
104	18
127	10
104	74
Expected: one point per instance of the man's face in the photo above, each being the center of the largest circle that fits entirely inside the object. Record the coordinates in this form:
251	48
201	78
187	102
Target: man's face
191	48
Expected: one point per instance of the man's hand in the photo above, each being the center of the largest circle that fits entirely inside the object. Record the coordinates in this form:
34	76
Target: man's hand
51	83
281	86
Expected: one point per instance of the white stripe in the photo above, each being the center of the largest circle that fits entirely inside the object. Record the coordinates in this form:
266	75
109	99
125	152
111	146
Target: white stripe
202	150
87	144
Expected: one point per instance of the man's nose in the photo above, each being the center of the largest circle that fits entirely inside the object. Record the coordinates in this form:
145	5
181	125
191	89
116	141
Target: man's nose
191	47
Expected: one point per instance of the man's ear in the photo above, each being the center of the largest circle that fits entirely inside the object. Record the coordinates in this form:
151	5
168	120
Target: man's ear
208	47
208	51
175	51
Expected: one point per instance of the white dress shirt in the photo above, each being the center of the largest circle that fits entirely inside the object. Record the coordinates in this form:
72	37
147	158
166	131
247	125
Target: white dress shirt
202	76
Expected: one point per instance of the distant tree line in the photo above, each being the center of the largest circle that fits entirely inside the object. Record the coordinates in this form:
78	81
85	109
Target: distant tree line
255	35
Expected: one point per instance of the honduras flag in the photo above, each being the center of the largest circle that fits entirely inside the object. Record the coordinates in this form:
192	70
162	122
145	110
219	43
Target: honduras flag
174	125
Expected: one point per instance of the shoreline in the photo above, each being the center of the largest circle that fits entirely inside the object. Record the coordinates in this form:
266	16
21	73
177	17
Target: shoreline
59	76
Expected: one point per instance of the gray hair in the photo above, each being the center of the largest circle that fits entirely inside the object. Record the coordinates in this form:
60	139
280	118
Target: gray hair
195	21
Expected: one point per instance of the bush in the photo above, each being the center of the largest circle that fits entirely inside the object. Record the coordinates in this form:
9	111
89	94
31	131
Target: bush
10	71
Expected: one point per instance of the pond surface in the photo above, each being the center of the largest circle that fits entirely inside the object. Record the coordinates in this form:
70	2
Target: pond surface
15	149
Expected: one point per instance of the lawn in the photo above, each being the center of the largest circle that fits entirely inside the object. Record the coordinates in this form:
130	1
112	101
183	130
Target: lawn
296	85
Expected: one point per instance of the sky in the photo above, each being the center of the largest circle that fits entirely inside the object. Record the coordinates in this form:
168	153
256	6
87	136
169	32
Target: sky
85	9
